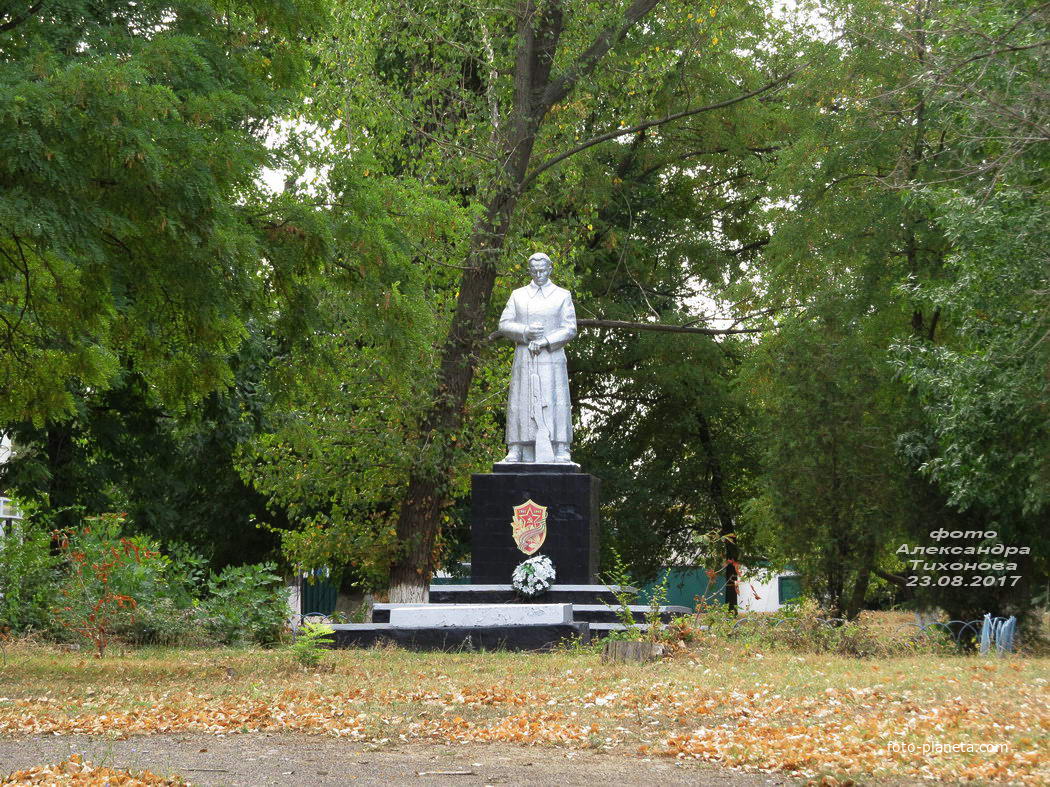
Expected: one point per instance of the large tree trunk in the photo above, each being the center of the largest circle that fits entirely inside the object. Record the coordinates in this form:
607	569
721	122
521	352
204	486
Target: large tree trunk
61	488
860	585
726	524
426	496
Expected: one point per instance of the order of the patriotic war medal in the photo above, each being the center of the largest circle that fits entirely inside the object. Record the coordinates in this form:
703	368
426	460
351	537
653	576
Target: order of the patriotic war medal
529	526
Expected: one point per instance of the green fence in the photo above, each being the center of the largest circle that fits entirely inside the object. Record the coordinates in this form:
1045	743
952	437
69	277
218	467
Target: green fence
318	597
686	585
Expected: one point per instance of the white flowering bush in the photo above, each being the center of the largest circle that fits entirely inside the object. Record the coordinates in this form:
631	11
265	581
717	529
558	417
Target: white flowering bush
533	577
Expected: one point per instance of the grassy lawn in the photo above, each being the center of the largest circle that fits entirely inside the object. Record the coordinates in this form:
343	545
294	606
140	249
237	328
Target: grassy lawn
809	715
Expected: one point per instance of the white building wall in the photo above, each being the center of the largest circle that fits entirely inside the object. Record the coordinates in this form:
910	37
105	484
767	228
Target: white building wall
7	510
759	590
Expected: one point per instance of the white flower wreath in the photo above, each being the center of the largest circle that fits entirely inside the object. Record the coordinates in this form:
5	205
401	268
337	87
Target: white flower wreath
533	576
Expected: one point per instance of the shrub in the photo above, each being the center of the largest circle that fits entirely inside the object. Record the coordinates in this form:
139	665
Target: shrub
28	575
101	585
311	642
105	570
805	628
163	622
618	577
246	605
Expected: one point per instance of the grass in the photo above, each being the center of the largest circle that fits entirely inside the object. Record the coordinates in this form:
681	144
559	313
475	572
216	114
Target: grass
725	703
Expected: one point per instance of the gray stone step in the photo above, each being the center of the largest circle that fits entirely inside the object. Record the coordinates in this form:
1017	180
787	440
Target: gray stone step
455	638
599	630
600	613
581	612
504	594
428	615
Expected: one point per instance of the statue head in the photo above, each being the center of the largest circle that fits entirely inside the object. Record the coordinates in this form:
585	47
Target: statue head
540	267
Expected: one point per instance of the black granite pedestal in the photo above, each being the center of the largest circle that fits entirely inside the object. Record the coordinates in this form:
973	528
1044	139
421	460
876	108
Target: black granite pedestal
571	498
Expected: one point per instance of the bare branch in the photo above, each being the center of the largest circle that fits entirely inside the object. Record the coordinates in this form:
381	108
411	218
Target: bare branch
490	88
624	325
588	60
14	22
661	327
623	132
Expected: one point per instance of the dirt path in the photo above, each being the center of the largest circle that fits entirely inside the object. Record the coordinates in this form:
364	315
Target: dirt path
296	759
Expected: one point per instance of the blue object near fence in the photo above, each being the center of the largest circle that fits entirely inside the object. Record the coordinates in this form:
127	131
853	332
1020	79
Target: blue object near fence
998	633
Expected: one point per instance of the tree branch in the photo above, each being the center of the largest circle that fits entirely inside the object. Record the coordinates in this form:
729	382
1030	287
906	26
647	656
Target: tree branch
622	132
16	21
894	578
588	60
661	327
624	325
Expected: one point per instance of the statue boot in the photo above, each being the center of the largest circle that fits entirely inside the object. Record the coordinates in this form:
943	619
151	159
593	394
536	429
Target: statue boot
561	453
514	454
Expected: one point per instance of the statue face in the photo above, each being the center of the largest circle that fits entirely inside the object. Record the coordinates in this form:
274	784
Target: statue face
540	270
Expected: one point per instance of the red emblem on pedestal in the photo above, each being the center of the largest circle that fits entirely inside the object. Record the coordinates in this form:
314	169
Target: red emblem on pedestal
529	526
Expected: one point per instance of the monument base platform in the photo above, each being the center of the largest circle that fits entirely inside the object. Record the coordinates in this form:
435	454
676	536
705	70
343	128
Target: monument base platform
491	604
561	593
569	501
535	467
491	617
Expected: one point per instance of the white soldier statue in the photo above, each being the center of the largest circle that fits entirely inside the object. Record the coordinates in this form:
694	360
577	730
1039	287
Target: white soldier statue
540	320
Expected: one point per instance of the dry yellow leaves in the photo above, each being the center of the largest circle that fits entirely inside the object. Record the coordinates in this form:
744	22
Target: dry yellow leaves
74	771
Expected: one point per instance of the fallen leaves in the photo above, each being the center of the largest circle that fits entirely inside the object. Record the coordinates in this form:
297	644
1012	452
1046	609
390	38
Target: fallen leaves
290	711
807	716
74	771
525	728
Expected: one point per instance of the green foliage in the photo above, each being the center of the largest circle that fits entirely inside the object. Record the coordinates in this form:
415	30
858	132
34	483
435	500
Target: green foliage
832	489
144	265
160	621
983	393
310	644
342	427
617	576
805	627
982	390
28	574
173	474
105	574
657	599
104	586
243	606
133	230
247	605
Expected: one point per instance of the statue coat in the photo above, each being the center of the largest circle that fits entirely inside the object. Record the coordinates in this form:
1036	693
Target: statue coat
550	306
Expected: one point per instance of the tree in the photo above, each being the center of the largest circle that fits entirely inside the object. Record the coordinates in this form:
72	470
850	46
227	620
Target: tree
135	236
984	440
831	495
173	474
485	104
984	390
897	194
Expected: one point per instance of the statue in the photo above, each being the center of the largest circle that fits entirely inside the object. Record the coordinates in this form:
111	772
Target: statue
540	320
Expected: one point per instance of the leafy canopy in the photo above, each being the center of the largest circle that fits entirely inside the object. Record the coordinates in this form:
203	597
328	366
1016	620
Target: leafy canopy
134	231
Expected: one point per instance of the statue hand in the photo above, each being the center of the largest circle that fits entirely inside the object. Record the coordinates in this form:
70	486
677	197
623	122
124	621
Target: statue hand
534	332
536	346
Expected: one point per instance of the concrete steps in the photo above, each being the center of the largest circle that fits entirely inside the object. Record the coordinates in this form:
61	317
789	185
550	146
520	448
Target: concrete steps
496	619
589	613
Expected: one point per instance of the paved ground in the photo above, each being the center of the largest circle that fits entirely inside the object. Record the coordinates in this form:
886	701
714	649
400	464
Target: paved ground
294	759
